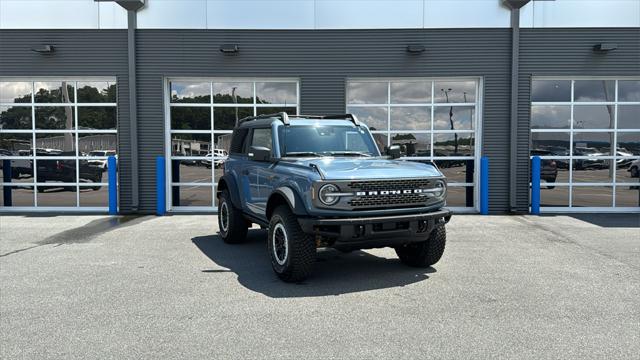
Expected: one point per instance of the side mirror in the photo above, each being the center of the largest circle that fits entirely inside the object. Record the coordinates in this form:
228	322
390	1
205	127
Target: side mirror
393	151
259	153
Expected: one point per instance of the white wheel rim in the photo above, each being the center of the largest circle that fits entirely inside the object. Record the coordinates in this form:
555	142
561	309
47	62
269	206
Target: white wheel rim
224	217
280	244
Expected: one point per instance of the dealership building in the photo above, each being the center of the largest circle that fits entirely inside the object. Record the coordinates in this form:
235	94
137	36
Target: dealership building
450	81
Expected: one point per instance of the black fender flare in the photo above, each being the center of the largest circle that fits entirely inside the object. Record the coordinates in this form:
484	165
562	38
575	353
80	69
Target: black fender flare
229	183
292	198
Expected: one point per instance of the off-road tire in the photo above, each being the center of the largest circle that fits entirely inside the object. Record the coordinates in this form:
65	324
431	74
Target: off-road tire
298	261
236	227
425	253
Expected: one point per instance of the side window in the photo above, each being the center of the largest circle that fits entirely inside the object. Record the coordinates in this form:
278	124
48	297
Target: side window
238	140
261	137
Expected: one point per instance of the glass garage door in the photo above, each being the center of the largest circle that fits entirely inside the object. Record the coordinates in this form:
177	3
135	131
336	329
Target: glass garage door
587	133
431	119
201	115
55	137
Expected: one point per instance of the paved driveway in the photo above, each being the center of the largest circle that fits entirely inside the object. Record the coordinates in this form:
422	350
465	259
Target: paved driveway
148	287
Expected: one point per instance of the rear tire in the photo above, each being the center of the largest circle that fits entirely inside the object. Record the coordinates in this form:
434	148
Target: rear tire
292	251
231	224
425	253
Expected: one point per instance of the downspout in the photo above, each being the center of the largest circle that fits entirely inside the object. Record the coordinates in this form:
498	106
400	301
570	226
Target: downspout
515	6
133	106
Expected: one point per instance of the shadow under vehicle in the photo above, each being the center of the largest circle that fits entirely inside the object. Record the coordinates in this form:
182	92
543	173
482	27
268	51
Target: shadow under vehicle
64	170
548	167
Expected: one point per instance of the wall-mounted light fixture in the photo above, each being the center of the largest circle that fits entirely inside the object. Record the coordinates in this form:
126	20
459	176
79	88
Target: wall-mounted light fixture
229	48
45	49
415	49
604	47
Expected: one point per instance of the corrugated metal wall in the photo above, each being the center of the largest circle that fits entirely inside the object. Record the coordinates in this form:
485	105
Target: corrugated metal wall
566	52
77	53
323	59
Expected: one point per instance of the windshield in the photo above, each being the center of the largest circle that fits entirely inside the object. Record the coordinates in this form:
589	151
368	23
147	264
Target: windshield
326	140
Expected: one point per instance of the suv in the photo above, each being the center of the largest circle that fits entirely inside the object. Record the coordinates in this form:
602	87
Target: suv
320	181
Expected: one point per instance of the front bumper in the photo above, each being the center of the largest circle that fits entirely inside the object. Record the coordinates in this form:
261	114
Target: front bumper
378	231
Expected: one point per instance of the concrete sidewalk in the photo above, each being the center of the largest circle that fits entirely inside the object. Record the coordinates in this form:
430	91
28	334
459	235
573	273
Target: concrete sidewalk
96	287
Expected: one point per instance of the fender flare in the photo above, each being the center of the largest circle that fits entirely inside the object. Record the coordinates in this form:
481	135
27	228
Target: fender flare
293	200
232	186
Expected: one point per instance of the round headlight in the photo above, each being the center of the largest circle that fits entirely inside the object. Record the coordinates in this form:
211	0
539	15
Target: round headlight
324	194
442	187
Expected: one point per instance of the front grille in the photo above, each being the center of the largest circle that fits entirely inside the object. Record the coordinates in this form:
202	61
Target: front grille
389	200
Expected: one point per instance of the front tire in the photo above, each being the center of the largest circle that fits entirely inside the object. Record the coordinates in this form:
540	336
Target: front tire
292	251
425	253
231	224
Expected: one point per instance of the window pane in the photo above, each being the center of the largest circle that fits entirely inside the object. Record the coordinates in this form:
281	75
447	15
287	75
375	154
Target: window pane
454	118
262	138
102	118
629	90
592	144
97	145
94	196
16	144
410	118
625	172
412	144
593	170
225	118
274	110
190	118
555	143
191	195
54	92
12	171
629	117
64	196
55	118
592	196
411	92
374	117
191	171
15	117
553	170
453	144
594	90
381	141
629	142
558	196
97	92
550	117
190	92
11	196
190	144
367	92
457	171
455	91
550	90
233	93
222	143
56	170
593	117
276	93
58	144
15	92
628	196
460	196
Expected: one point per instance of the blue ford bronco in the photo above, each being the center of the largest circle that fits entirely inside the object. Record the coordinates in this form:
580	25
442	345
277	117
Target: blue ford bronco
320	181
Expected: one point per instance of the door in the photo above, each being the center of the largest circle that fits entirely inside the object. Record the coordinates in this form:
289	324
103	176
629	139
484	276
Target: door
256	172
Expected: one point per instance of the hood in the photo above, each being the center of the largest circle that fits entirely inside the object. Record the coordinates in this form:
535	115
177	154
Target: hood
370	168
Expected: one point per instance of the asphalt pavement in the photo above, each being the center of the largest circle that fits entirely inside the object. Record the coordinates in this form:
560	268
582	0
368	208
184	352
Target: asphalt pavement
98	287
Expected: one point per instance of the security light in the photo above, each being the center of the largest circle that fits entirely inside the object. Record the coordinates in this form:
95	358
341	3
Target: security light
415	49
45	49
604	47
229	48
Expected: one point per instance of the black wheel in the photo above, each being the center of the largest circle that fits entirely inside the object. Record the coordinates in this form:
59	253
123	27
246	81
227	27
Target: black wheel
292	251
231	223
425	253
551	181
635	172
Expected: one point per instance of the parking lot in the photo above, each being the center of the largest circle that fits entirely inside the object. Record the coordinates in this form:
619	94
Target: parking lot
167	287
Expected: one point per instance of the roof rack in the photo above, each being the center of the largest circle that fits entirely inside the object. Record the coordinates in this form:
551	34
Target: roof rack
285	118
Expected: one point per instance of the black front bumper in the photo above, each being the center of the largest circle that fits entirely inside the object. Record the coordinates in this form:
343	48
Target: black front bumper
379	231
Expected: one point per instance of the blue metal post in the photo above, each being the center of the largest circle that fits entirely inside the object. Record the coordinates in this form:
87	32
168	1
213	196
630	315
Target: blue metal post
160	186
112	167
535	185
484	185
7	178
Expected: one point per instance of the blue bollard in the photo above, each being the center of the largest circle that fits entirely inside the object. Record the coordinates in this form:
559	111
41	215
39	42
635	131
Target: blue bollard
535	185
113	185
160	186
484	185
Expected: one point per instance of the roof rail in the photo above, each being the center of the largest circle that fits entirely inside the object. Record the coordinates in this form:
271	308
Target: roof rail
352	117
281	115
285	118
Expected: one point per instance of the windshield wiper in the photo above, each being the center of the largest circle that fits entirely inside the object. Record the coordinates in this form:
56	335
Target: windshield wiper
303	153
350	153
